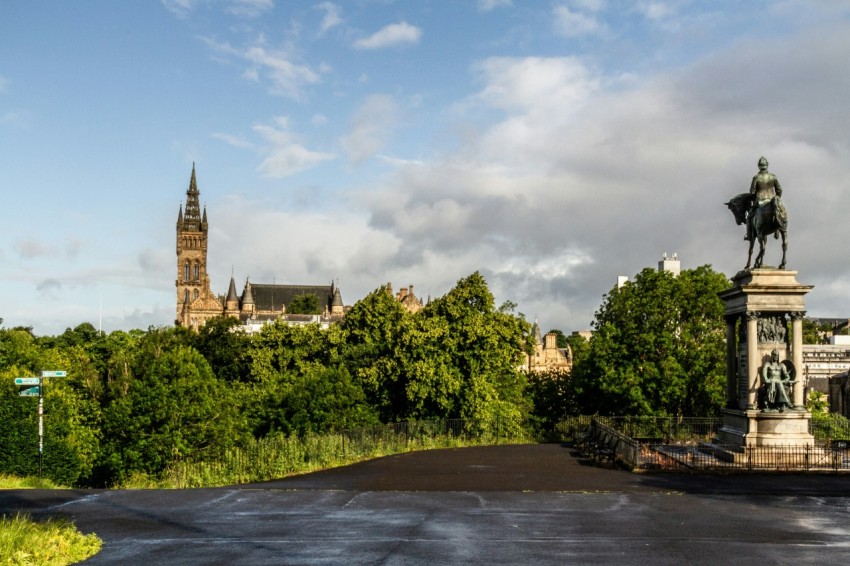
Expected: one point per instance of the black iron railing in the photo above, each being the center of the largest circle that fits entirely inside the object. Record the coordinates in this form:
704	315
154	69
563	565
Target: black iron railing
669	443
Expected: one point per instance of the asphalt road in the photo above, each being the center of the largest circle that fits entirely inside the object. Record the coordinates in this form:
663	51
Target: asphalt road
535	504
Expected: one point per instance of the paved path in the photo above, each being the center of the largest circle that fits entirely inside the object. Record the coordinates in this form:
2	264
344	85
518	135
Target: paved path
536	504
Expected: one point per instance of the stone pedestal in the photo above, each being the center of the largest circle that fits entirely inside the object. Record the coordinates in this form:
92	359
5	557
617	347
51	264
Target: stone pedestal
759	308
762	428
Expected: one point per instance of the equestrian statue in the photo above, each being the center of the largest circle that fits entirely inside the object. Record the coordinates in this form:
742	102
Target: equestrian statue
763	212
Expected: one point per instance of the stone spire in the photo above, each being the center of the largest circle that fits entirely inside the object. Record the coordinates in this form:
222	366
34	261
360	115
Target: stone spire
232	301
192	218
247	299
337	306
535	332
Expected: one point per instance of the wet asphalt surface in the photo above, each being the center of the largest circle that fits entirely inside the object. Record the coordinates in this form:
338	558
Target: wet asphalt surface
530	504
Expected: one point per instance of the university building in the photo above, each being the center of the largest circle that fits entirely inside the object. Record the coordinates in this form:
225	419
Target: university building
258	303
546	355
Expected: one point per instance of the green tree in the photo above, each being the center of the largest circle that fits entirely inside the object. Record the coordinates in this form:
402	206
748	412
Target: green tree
484	348
18	349
553	395
225	348
305	304
174	408
71	414
458	357
815	333
324	400
281	356
658	347
579	346
372	330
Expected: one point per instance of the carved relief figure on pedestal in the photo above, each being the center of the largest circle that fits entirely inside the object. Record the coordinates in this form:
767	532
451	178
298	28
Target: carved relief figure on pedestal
772	329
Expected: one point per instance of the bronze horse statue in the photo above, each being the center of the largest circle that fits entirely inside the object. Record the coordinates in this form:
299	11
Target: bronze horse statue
762	221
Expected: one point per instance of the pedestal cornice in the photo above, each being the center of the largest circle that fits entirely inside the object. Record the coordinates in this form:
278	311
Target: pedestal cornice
765	290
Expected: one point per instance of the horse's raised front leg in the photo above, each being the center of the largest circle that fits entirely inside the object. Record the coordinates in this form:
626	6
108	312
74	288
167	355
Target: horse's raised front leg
784	249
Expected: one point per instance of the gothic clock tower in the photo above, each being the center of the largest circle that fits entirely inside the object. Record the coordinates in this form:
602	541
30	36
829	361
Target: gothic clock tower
195	300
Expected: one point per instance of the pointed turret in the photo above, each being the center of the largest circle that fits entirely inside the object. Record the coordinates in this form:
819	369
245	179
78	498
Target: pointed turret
180	218
535	332
204	219
336	306
247	299
232	301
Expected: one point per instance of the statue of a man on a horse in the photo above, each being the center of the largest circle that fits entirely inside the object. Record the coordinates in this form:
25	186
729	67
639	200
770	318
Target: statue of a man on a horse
762	211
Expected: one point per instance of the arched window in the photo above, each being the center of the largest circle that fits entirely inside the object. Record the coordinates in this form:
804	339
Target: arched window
197	271
186	296
186	271
196	294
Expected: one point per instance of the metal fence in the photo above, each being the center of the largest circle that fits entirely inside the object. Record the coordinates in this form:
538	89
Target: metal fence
679	444
792	458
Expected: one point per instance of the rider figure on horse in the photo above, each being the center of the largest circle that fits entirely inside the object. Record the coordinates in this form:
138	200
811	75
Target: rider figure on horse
765	189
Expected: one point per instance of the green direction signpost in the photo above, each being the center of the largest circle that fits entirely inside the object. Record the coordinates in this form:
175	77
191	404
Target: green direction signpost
54	373
35	388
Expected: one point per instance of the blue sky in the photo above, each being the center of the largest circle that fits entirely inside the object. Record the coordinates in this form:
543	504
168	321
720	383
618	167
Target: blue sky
550	145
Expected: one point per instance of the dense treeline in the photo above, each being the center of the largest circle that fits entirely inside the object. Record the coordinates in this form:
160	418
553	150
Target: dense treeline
134	402
658	347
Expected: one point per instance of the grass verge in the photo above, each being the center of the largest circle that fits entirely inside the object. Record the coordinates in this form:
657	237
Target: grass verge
28	482
25	542
280	456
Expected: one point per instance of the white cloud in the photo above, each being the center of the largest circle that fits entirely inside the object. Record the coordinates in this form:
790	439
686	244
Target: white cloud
553	83
394	34
329	246
32	248
590	5
488	5
50	288
235	141
372	125
656	11
155	260
332	17
179	8
584	178
16	118
283	155
240	8
248	8
572	23
277	66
